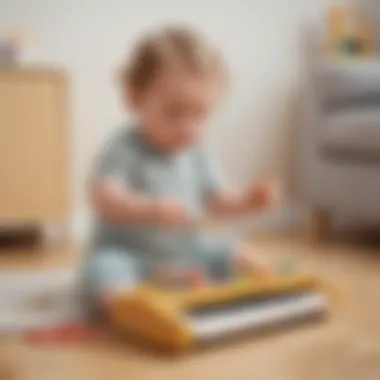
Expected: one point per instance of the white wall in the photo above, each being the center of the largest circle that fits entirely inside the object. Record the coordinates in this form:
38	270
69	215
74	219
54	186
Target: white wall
260	39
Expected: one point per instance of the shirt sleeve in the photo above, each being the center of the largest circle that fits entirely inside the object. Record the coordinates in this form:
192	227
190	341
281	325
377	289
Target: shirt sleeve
210	174
111	163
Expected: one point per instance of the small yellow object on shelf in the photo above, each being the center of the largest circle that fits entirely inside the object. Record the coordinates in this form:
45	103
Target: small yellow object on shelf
349	32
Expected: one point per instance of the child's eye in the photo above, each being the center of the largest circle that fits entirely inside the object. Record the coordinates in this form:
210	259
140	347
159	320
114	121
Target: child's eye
184	112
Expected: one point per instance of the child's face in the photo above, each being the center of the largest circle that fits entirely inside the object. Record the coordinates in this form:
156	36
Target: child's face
175	108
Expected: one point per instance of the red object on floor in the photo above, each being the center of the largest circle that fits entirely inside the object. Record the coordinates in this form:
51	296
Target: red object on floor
68	333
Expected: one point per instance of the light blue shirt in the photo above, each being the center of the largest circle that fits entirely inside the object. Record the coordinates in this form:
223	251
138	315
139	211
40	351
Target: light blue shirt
131	160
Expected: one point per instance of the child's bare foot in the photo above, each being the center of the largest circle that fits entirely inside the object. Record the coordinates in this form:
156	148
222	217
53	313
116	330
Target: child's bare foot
108	297
106	300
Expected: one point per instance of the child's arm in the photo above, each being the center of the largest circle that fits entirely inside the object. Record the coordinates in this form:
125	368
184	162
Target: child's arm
224	203
228	203
112	202
111	191
116	204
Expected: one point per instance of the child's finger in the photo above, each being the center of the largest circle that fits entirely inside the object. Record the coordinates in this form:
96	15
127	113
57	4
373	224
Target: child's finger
255	265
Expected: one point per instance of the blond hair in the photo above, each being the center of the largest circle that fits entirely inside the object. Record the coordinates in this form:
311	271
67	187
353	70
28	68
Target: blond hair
171	46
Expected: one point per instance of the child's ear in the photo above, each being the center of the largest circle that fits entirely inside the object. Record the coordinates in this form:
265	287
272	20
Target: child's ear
128	94
132	98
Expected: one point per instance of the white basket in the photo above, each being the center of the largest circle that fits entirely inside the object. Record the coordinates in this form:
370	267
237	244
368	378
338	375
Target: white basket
38	299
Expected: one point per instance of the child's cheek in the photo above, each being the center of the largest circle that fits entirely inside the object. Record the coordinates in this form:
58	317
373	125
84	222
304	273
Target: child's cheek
196	132
190	139
192	135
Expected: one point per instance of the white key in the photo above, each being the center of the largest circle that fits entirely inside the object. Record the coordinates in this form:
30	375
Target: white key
255	316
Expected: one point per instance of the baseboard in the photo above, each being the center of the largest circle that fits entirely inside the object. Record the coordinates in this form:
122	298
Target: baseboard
286	218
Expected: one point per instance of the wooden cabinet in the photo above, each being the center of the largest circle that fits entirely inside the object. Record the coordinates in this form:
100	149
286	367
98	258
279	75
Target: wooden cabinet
33	146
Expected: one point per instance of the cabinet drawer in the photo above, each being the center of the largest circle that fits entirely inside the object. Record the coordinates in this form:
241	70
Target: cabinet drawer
32	146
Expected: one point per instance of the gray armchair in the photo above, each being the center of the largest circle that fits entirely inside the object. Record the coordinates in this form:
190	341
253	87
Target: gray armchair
341	143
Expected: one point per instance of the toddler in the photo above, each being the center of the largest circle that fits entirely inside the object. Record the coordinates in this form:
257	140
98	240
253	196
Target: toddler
154	180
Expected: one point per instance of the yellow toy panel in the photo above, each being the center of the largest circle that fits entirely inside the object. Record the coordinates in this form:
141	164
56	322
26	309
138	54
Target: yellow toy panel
177	319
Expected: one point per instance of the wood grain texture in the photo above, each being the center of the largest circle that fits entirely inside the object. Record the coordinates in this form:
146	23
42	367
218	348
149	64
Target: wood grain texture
33	143
319	225
346	348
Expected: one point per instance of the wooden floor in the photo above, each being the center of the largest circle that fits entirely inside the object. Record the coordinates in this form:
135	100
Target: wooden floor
347	347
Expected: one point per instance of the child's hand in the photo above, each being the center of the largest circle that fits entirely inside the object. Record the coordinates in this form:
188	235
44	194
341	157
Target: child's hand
264	194
169	212
254	264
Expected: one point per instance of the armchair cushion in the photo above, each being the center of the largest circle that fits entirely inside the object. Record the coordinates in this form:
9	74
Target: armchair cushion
353	132
344	85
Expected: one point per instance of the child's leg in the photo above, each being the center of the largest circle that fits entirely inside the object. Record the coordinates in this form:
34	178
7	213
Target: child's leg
107	272
217	256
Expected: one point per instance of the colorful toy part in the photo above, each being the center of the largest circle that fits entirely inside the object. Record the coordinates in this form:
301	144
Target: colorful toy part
64	333
349	31
177	320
